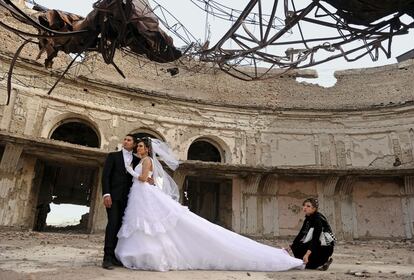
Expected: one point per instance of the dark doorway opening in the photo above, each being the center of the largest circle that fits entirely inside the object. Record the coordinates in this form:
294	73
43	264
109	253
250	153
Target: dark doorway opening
76	133
64	198
204	151
210	198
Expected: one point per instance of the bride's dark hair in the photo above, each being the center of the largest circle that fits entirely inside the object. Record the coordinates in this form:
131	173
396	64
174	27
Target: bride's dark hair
147	144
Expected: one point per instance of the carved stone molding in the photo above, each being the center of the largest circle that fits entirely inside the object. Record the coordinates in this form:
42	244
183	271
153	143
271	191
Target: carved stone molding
345	185
329	186
251	184
268	185
409	185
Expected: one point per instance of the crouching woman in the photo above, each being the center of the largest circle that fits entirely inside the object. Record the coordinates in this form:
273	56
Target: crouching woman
315	241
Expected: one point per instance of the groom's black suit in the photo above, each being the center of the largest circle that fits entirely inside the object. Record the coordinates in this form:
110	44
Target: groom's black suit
117	182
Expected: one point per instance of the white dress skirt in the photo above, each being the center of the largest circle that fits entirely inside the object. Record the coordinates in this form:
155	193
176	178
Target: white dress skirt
160	234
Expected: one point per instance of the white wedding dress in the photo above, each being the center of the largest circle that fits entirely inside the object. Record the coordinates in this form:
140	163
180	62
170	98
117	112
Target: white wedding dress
160	234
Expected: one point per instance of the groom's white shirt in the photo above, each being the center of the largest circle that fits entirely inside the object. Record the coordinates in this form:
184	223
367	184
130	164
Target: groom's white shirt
127	157
127	160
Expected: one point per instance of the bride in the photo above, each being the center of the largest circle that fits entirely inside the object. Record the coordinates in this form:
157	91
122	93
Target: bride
158	233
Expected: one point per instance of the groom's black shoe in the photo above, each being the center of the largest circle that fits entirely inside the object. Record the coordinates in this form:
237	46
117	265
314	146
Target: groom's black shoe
107	264
115	262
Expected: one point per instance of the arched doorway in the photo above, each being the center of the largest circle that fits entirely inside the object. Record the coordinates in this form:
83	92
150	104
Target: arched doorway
67	188
208	196
76	132
205	151
139	135
146	132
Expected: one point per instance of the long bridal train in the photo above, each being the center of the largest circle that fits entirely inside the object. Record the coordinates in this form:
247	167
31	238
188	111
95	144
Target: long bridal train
160	234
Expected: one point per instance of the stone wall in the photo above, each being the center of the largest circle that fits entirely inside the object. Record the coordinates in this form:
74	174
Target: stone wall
362	138
357	207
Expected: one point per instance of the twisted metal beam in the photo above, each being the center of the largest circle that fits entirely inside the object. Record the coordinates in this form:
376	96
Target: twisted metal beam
256	53
112	25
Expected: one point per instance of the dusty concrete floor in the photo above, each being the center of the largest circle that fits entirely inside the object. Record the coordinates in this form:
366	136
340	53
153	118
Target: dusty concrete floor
32	255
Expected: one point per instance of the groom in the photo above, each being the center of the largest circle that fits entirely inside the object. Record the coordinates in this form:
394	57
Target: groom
116	183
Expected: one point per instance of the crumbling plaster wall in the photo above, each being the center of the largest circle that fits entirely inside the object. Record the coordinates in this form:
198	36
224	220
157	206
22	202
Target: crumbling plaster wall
290	134
378	208
361	208
271	205
256	137
17	202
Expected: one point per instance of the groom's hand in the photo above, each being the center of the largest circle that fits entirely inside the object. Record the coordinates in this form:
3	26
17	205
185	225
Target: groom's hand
150	180
107	201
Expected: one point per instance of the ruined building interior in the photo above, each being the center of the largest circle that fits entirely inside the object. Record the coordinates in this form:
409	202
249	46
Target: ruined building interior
250	151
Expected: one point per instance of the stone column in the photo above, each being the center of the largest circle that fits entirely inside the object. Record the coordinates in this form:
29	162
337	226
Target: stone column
254	197
8	178
346	213
16	176
267	206
237	184
98	213
8	112
326	194
249	213
179	178
32	112
10	158
407	202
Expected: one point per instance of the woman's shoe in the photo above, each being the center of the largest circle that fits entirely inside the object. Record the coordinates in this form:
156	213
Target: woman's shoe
326	265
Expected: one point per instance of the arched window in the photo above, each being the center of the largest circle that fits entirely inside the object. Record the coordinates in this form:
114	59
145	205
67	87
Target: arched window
204	150
143	132
207	195
76	132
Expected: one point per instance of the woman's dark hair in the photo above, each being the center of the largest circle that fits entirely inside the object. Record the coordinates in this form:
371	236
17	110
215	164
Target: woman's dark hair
147	144
313	201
